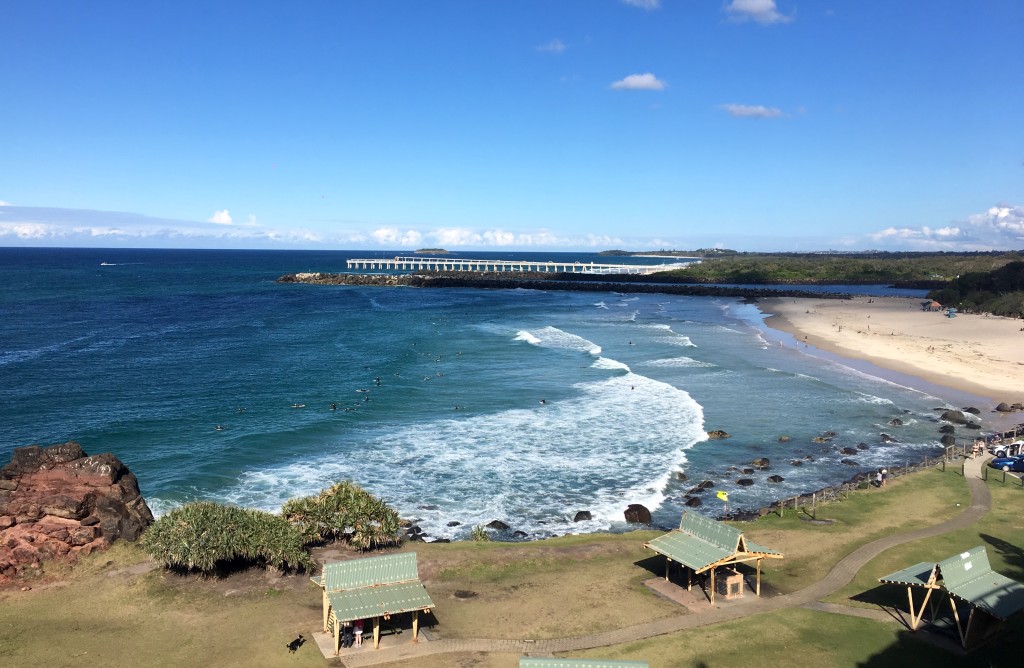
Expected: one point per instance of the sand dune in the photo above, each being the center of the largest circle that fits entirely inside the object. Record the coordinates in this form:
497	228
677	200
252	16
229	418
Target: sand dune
981	355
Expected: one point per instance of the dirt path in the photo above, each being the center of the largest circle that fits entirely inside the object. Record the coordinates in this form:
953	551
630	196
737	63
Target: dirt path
837	578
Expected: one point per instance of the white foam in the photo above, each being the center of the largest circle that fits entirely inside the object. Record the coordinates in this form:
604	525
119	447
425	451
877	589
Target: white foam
552	337
681	362
531	468
601	305
606	363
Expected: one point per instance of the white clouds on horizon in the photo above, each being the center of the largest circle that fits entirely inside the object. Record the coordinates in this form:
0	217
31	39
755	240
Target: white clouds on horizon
999	228
3	203
751	111
221	217
639	82
761	11
555	46
649	5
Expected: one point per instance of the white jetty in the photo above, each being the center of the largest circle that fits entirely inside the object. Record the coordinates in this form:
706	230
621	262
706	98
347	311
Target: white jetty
461	264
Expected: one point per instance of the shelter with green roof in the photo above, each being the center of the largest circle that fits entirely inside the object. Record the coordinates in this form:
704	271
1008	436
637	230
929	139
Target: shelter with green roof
528	662
375	587
702	545
967	581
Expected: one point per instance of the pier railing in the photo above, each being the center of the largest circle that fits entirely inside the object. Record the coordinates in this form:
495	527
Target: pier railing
465	264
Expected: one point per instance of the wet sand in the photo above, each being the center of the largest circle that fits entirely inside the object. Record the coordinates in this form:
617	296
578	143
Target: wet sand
974	354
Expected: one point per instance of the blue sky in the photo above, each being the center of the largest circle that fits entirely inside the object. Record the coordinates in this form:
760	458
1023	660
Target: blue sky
513	124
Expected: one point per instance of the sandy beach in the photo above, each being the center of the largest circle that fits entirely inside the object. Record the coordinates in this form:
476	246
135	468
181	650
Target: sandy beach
976	354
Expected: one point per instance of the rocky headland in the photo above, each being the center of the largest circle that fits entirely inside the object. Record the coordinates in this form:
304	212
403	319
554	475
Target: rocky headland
57	502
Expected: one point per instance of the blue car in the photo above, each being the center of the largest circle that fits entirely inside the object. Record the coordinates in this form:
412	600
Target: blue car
1008	463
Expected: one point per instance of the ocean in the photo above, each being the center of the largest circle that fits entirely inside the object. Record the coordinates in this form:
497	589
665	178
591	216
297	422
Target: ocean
457	406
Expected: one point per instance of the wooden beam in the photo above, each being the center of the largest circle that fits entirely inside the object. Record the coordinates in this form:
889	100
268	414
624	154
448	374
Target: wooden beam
668	565
415	625
970	621
758	590
712	586
327	607
337	636
376	632
956	616
910	601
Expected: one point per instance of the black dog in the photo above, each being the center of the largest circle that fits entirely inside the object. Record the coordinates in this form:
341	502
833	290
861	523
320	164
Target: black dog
295	644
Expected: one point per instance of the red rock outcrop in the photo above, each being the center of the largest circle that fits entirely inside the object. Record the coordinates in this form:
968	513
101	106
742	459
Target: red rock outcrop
58	502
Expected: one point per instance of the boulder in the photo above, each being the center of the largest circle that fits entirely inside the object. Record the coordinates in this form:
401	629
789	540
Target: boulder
1004	407
796	462
680	475
498	525
948	439
718	433
886	438
694	502
706	484
848	451
57	502
947	429
785	439
896	422
848	462
863	446
637	514
956	417
582	516
745	482
761	463
972	410
775	478
454	523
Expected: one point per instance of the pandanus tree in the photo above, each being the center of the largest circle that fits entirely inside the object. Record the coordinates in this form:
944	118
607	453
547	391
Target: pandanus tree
346	512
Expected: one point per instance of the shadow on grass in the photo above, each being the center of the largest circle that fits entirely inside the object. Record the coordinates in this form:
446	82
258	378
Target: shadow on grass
654	564
1013	555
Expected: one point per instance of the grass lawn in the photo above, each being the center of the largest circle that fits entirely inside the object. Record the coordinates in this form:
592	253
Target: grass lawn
114	609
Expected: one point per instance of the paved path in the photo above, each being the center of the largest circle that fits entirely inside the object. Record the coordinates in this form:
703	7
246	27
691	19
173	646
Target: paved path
840	576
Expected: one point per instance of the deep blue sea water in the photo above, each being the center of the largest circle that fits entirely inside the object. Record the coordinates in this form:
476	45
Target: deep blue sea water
455	405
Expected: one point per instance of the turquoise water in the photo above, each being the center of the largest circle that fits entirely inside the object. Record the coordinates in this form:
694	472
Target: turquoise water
455	405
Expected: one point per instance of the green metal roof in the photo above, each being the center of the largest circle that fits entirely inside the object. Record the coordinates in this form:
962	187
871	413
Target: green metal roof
525	662
918	574
390	568
689	550
390	599
711	531
970	576
701	542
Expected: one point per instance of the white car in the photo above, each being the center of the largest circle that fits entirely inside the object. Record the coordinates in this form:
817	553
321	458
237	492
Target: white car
1007	449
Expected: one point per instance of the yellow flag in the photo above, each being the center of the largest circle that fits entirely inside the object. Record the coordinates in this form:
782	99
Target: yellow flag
724	496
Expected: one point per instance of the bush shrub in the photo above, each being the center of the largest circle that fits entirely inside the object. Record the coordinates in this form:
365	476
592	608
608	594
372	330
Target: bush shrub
345	512
204	535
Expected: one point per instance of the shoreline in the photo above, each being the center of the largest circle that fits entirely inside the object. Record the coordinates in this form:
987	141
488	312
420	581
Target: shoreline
971	354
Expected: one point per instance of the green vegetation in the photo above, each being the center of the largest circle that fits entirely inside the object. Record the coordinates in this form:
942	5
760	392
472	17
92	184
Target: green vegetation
928	269
203	536
345	512
1000	291
480	534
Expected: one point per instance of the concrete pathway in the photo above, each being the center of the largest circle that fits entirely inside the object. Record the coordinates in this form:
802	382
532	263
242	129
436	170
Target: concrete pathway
840	576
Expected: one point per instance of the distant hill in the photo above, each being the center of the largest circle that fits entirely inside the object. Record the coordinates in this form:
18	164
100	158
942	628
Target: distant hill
432	251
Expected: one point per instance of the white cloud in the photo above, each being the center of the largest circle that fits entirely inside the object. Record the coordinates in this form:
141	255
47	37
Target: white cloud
999	228
554	46
393	237
761	11
221	217
3	203
644	4
639	82
751	111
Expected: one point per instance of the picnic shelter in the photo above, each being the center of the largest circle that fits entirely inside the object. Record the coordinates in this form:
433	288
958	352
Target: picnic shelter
374	587
969	584
703	545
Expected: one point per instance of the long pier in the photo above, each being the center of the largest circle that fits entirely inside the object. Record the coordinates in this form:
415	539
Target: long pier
409	263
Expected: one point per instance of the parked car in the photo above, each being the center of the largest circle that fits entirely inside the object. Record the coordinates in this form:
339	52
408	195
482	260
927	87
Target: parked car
1008	463
1007	449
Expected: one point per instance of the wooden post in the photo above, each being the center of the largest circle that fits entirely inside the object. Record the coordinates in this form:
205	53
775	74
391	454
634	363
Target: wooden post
956	616
415	625
327	607
758	591
668	564
712	585
814	505
337	637
689	578
376	632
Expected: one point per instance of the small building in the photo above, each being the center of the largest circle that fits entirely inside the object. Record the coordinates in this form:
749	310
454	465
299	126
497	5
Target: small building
372	588
967	582
702	545
528	662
